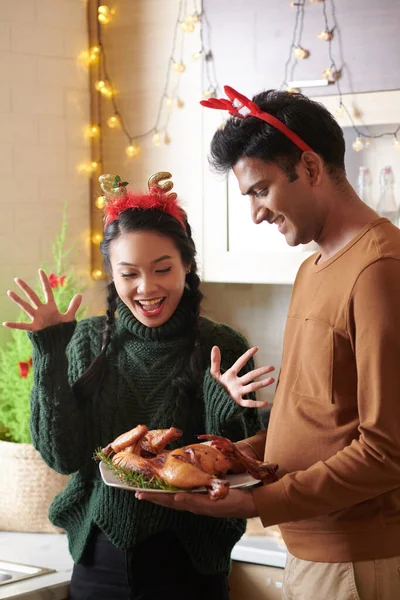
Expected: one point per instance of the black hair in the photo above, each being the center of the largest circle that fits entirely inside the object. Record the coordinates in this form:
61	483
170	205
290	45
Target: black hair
253	138
189	380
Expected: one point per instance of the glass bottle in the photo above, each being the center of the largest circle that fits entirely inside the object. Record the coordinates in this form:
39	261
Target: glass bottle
364	186
387	205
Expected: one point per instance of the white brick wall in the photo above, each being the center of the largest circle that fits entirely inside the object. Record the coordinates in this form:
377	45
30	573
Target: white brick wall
44	107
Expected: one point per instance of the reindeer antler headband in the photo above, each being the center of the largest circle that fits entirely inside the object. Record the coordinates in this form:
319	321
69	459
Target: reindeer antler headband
158	198
240	106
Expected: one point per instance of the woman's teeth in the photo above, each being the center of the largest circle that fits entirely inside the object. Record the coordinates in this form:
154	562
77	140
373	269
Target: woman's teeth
150	305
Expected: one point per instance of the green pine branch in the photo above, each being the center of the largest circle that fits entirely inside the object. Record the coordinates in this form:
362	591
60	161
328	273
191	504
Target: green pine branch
14	389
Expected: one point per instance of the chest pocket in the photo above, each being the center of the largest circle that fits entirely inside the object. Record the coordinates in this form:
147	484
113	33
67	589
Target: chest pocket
315	370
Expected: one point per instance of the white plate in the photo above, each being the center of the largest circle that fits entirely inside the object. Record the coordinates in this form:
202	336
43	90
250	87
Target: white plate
241	480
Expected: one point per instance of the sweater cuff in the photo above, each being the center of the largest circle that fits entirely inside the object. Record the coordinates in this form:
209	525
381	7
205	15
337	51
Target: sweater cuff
50	339
221	408
272	504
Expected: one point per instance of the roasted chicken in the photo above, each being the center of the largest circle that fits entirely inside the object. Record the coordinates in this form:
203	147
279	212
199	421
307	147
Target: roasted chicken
188	467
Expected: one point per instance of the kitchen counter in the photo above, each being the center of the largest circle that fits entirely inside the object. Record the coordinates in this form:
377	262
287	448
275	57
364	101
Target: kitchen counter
48	550
51	551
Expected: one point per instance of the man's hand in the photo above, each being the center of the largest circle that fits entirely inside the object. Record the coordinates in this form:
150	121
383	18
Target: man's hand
238	503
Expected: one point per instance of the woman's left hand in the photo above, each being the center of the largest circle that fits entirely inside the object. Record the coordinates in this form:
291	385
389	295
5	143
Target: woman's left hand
236	386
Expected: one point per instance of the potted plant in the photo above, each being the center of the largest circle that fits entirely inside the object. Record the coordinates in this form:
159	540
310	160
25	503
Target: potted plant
27	484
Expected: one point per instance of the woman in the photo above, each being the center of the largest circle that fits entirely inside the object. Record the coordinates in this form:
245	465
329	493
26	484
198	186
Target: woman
100	377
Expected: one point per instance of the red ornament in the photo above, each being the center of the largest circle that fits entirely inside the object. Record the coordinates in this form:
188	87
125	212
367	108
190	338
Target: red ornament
56	280
24	368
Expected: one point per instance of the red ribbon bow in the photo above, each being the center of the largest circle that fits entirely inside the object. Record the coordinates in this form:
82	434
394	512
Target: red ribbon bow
24	368
242	107
54	280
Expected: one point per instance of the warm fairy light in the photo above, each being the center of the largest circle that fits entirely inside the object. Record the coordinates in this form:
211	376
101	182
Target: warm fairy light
96	238
100	202
94	165
104	88
97	274
92	131
94	53
180	103
88	167
105	14
325	36
98	86
169	101
367	144
114	122
89	57
358	145
179	67
340	112
209	94
167	139
132	150
196	55
301	53
156	139
187	25
396	144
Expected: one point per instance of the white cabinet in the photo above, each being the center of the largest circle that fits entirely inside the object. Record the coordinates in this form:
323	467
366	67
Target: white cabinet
234	248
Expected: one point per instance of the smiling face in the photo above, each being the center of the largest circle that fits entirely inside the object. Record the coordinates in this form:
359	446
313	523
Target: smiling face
291	205
148	274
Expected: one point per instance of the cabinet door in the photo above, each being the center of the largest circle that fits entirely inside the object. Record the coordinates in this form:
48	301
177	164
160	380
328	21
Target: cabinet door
253	582
235	249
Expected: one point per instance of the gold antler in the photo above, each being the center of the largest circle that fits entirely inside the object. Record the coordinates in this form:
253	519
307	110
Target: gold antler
112	185
154	182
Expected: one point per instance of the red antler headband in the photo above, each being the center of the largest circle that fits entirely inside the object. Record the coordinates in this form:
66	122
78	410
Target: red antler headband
120	199
240	106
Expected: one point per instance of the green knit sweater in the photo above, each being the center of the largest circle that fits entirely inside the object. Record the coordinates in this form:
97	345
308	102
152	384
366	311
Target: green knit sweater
137	387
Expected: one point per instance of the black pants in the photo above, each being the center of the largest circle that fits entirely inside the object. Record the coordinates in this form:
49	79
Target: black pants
157	569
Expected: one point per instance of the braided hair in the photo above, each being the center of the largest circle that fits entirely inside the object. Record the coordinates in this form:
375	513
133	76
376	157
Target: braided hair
189	380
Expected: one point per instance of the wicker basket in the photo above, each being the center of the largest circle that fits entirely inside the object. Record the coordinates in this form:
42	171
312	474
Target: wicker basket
27	488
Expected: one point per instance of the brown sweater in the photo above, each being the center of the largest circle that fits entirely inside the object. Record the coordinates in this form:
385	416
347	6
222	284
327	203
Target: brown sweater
335	422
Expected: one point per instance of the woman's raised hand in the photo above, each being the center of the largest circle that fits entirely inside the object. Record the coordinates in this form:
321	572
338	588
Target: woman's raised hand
42	314
236	386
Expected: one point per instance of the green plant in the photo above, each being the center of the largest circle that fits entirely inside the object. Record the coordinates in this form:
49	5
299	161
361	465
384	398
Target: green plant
16	374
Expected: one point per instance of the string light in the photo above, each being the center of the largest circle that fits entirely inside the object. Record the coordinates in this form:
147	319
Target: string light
96	238
100	202
132	150
179	67
301	53
104	14
156	139
167	139
92	131
396	144
169	101
358	145
325	36
97	274
196	55
114	122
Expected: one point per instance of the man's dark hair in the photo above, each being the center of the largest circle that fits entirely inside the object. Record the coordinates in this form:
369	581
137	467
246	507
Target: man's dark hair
253	138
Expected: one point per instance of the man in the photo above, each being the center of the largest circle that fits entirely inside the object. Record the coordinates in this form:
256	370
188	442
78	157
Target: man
335	424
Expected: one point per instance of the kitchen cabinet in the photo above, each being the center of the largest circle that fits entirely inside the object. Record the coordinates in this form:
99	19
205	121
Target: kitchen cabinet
235	250
251	43
253	582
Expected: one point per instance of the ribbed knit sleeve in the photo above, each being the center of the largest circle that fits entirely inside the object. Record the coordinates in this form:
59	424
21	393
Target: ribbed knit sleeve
222	415
60	427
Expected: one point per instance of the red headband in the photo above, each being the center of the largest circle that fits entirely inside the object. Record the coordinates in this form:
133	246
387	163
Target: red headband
120	199
240	106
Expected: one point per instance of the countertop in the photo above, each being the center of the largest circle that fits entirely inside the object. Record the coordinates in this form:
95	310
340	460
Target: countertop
51	551
48	550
